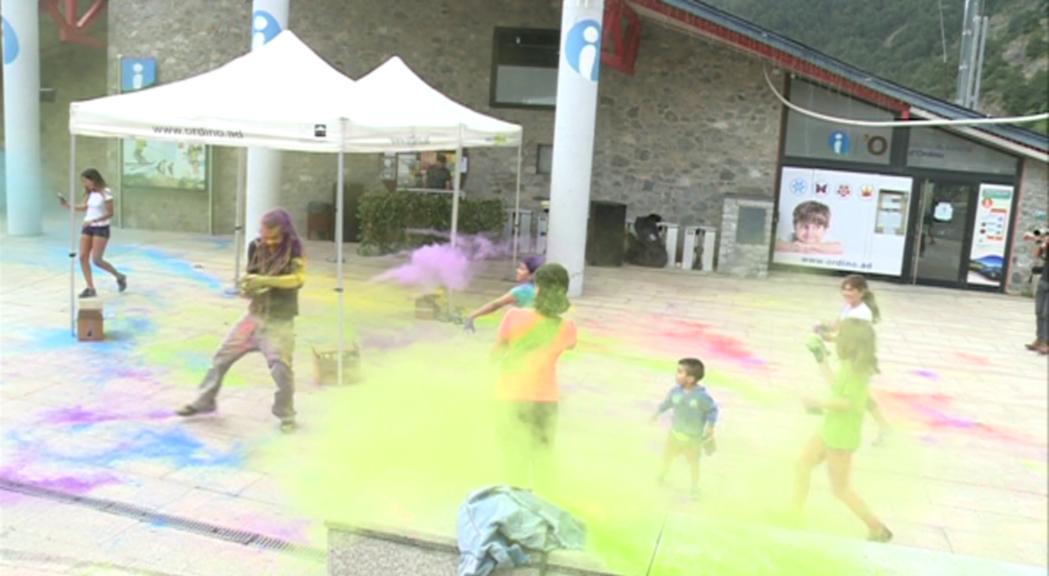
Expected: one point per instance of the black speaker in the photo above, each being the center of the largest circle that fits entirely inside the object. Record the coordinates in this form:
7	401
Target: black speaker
351	221
605	233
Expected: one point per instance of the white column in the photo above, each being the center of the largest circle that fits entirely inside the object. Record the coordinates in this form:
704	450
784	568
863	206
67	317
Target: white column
21	82
268	18
573	154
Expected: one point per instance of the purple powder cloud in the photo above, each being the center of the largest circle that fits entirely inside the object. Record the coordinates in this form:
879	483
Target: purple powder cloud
441	266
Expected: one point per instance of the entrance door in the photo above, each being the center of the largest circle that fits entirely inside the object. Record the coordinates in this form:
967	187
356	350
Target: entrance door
940	241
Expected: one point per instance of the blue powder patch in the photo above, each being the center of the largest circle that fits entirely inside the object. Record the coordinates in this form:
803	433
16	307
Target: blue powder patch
174	446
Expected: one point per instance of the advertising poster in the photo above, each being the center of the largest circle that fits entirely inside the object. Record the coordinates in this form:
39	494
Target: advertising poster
836	220
990	232
153	164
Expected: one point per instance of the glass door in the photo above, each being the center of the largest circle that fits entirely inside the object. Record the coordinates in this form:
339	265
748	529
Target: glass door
941	237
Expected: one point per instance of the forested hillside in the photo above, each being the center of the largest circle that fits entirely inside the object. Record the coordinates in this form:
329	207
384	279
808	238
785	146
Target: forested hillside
903	41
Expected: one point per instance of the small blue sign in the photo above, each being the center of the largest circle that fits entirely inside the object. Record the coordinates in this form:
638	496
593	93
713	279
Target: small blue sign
264	27
11	46
839	143
583	48
137	73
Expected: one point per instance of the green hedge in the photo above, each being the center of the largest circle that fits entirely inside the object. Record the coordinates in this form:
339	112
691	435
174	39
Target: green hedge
387	216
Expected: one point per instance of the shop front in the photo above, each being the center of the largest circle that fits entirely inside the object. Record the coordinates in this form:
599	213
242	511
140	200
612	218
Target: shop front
920	205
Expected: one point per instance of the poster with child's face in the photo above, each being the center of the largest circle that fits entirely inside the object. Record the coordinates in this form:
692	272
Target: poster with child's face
838	220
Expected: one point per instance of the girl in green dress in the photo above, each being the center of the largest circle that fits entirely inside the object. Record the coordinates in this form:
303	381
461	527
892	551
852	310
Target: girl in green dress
843	414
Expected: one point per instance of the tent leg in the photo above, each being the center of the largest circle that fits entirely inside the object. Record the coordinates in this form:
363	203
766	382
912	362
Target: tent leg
517	207
338	263
456	178
72	234
456	183
238	221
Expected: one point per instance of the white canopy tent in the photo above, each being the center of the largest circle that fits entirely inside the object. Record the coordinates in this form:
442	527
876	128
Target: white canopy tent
284	96
398	111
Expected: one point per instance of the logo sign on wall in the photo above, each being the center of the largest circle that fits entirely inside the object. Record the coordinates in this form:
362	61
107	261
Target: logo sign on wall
583	48
990	234
137	73
859	226
839	143
11	46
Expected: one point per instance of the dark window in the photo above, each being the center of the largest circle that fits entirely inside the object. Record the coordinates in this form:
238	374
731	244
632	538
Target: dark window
932	148
751	227
524	68
811	138
544	161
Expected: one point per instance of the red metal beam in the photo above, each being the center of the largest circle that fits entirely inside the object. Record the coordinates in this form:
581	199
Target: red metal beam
778	57
619	45
71	28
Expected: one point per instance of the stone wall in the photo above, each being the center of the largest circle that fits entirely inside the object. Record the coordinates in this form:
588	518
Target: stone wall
750	258
354	551
709	128
74	72
1033	211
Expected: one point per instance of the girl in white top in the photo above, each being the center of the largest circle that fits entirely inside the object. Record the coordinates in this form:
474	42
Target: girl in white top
94	235
861	305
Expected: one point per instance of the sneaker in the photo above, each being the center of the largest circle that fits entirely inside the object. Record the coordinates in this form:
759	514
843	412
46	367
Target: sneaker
122	282
191	410
882	535
288	425
88	293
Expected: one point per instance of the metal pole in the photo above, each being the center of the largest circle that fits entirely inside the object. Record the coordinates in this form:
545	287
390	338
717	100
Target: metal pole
978	68
456	180
962	90
72	234
517	206
238	222
338	262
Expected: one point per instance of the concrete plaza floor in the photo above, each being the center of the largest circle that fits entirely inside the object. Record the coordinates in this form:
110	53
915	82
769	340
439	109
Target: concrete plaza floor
86	427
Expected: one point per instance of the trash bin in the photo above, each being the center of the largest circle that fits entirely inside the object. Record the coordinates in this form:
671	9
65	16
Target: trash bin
604	237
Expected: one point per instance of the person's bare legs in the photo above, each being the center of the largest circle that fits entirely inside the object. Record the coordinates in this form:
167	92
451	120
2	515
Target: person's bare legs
669	452
692	454
85	260
98	250
814	453
839	468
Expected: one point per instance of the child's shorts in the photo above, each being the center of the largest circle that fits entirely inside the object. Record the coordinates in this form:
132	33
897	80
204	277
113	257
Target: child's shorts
690	446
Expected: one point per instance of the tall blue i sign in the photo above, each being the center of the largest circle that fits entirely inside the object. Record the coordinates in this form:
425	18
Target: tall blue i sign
11	46
137	73
839	143
583	49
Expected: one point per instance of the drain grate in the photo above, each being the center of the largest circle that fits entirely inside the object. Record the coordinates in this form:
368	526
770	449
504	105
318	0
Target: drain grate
243	537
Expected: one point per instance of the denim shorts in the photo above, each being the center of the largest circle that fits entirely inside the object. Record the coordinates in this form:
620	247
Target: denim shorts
100	231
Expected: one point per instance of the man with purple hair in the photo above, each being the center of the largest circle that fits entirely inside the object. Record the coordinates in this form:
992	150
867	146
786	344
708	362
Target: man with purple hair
276	271
521	296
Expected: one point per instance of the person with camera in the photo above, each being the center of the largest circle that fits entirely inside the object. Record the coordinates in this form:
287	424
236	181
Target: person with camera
1041	295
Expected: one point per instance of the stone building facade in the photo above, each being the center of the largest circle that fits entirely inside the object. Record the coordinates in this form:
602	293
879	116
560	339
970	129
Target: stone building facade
693	124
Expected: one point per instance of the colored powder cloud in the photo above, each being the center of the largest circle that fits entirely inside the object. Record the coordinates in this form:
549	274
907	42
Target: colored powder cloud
405	448
441	265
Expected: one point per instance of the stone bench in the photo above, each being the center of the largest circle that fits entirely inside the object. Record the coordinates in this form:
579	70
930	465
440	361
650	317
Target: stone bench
381	551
